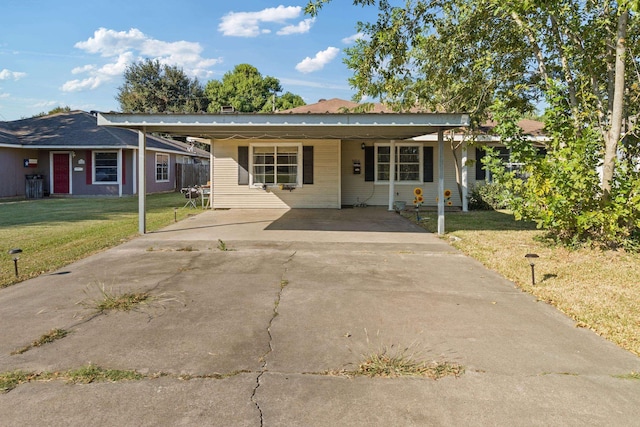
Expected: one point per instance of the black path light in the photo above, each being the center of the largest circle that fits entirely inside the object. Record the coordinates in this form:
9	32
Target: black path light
531	258
15	252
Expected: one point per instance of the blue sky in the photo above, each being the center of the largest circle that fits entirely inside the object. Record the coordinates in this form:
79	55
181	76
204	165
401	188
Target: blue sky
73	53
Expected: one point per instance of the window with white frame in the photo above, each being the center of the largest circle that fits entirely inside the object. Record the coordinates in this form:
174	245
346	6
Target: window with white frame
276	164
162	167
408	162
105	167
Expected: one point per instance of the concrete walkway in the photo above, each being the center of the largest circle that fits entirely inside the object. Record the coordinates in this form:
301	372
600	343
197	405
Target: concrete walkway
245	337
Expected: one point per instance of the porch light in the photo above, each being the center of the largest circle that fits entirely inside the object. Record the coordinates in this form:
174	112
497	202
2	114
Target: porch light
531	258
363	146
15	252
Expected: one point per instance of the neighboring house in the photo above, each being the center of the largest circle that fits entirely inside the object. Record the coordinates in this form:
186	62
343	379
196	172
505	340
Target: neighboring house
72	155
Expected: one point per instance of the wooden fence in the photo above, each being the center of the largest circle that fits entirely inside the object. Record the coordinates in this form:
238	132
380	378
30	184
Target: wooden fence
189	175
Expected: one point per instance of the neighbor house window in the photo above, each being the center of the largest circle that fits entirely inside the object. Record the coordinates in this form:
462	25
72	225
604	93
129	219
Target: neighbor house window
162	167
408	162
105	168
276	164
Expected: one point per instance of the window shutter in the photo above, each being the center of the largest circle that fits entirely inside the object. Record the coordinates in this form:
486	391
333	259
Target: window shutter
369	163
124	169
481	174
87	165
307	164
427	164
243	165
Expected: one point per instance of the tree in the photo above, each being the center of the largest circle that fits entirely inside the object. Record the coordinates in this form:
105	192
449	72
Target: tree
499	57
152	87
56	110
247	91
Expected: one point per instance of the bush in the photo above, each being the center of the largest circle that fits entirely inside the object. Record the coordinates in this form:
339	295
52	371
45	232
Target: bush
489	196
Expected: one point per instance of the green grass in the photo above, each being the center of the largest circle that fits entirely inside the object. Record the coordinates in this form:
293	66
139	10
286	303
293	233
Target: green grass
84	375
55	232
49	337
111	300
600	290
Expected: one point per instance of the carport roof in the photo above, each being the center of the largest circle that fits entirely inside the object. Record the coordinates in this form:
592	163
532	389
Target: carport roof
289	126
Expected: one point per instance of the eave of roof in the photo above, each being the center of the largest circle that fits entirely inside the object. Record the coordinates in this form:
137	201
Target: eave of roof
289	126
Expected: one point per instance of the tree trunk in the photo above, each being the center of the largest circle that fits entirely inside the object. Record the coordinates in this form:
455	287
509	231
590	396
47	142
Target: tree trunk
615	129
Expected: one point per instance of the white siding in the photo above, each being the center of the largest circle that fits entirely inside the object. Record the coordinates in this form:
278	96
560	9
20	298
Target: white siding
323	193
356	190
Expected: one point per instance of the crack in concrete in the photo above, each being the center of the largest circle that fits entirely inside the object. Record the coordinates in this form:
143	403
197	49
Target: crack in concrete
89	317
263	358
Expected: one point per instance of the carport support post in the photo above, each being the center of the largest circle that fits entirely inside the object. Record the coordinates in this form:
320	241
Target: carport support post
142	181
440	182
465	179
392	175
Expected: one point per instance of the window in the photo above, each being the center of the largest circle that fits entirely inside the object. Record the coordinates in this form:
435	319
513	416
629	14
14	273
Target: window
105	168
408	159
162	167
276	164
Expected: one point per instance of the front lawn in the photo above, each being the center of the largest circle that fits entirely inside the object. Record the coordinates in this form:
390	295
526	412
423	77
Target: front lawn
600	290
54	232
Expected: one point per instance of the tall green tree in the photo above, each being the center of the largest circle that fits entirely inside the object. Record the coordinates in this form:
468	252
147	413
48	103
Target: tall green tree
247	91
580	58
152	87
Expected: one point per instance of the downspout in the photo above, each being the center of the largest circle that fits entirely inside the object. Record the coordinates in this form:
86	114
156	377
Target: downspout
142	181
392	174
440	182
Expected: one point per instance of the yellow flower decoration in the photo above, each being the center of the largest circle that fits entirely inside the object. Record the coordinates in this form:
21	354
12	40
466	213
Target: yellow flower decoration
417	191
447	193
420	199
449	203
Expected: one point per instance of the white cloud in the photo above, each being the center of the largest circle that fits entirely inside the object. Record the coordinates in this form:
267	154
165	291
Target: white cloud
353	38
83	69
125	47
322	58
301	28
248	24
43	104
13	75
4	95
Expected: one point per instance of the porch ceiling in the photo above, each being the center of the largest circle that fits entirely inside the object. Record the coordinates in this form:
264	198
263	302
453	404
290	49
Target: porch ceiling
289	126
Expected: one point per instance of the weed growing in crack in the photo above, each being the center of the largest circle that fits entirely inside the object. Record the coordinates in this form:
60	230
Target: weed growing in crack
631	376
93	374
398	361
110	300
400	364
223	246
186	249
51	336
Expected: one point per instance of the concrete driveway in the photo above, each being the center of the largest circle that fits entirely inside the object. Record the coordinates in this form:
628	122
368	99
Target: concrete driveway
249	336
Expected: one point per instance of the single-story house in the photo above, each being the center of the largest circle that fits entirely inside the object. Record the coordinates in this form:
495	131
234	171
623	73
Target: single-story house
71	155
323	155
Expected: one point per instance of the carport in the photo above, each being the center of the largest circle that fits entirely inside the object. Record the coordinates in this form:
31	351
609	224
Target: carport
353	126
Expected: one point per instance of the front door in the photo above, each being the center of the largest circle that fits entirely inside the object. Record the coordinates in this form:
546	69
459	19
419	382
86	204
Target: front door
61	173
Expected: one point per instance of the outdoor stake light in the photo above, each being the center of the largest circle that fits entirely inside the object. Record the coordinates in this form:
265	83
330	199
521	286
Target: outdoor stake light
15	252
175	214
531	258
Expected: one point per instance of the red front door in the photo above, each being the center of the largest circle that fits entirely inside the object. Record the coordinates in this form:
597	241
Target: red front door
61	173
